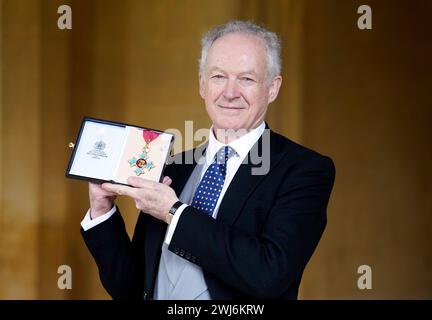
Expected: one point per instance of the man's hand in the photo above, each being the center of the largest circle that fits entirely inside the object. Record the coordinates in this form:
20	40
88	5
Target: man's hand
151	197
101	201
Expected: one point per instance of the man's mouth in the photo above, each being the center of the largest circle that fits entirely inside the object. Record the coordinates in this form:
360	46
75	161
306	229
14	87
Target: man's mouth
230	107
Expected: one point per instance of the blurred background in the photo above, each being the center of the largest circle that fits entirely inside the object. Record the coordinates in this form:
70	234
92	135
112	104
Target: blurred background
363	97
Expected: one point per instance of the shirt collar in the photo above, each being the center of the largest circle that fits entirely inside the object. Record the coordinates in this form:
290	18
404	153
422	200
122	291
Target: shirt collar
241	145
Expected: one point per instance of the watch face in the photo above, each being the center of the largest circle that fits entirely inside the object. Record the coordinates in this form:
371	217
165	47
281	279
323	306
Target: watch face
175	207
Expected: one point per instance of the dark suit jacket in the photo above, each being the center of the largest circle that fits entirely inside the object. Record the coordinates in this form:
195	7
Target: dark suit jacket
266	230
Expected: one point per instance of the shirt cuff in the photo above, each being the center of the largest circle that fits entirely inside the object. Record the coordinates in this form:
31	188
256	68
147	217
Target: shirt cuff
88	223
173	224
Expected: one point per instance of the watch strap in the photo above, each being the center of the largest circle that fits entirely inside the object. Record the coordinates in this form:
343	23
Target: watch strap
175	207
172	211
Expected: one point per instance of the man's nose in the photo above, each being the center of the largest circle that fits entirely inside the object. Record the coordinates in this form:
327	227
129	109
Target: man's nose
231	90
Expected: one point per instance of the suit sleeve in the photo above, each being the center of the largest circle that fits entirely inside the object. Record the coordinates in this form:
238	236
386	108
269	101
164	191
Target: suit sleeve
117	258
263	266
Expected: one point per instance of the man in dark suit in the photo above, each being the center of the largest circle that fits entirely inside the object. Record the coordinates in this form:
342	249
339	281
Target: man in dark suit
242	220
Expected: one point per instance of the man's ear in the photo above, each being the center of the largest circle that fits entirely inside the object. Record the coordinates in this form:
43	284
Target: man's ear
201	85
274	88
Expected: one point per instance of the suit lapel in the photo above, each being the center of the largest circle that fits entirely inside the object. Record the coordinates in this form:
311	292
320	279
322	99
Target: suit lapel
181	173
244	182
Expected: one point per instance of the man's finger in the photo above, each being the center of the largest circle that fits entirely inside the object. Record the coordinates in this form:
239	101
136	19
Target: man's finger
167	180
119	189
139	182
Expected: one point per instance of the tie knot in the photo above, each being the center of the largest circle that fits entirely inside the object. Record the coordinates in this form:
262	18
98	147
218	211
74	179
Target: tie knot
224	154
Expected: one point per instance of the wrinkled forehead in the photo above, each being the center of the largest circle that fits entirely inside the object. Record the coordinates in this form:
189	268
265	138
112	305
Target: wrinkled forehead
237	51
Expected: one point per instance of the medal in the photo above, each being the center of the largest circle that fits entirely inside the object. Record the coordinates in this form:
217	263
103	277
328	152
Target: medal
142	163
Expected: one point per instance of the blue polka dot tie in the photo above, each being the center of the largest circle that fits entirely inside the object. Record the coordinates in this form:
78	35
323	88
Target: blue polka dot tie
208	191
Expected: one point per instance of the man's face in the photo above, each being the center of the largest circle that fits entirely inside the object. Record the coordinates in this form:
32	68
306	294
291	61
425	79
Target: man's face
234	85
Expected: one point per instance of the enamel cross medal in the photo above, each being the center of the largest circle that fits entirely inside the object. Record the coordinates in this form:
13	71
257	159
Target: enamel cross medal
143	164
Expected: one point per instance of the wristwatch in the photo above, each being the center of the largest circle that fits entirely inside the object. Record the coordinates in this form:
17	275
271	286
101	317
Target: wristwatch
172	211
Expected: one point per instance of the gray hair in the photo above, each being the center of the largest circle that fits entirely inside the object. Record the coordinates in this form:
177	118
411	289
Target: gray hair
270	41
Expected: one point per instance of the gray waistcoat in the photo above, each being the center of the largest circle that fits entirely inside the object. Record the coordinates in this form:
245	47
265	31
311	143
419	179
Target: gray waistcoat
178	278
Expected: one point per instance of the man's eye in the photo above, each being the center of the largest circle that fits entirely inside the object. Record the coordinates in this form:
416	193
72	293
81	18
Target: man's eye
246	79
217	76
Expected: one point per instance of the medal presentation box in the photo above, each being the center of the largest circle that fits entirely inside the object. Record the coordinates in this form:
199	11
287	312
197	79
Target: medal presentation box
107	151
